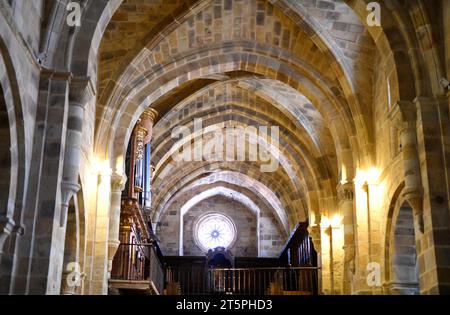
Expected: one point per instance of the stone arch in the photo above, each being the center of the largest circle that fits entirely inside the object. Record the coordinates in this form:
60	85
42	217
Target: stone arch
5	185
91	37
401	256
296	12
66	48
398	33
5	155
13	129
218	191
234	179
87	40
12	165
351	99
265	109
297	183
318	95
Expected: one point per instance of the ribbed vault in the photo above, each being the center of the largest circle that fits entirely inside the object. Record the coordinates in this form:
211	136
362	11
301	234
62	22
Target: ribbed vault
305	68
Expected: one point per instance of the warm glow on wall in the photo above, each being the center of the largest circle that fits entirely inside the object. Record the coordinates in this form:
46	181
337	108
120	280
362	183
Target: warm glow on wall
101	166
332	243
120	165
344	177
312	218
335	222
369	176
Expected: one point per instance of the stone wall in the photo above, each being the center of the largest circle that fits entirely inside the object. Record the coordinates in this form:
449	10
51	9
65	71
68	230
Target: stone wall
379	110
271	237
246	244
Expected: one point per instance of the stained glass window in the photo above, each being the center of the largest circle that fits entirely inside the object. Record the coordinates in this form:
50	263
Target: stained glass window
214	230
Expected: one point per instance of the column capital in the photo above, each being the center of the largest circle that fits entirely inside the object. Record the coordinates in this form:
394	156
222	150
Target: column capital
82	89
345	191
68	189
118	182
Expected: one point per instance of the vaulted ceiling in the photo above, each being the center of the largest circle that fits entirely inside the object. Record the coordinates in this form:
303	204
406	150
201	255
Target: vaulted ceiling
304	66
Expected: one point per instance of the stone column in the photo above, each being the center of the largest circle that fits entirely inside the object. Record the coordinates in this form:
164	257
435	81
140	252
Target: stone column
413	182
81	92
346	205
363	239
41	248
433	244
117	186
98	283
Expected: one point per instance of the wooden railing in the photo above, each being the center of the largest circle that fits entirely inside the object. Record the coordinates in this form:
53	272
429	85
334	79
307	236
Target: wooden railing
156	272
139	262
244	281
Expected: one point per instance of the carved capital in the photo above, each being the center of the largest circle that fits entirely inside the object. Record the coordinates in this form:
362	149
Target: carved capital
68	189
113	245
414	196
345	192
118	183
81	91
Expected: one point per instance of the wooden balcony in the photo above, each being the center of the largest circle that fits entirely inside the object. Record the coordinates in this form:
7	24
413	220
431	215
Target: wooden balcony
140	268
137	270
242	281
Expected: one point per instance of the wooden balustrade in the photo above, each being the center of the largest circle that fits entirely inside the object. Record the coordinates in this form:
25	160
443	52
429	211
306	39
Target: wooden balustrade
195	280
139	263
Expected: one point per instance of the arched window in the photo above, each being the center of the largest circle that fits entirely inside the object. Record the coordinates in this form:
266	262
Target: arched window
214	230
